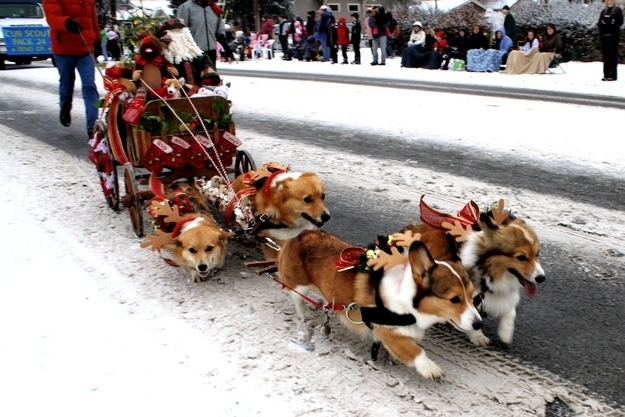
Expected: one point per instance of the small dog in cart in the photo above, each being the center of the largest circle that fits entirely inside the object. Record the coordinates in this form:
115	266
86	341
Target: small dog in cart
284	203
187	230
391	292
499	252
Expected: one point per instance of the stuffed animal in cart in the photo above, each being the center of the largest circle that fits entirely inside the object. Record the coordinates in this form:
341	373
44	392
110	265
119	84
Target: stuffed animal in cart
117	80
173	88
150	66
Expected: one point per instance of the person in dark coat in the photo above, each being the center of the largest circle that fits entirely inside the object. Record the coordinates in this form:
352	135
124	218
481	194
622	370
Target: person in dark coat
477	40
355	38
310	23
458	47
610	22
509	24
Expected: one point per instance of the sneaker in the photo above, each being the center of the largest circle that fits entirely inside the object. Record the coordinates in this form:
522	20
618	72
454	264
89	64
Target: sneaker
66	118
356	62
344	62
374	63
383	63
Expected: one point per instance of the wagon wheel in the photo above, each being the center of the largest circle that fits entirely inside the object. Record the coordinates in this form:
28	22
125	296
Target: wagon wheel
243	163
132	200
112	200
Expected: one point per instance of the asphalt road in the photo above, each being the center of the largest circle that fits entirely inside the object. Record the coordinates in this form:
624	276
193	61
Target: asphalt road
573	328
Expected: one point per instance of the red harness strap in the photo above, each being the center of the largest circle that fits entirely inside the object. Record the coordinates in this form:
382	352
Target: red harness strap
325	307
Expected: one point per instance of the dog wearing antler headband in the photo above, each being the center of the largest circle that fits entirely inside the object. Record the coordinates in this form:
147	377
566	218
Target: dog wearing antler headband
285	203
498	250
391	292
187	230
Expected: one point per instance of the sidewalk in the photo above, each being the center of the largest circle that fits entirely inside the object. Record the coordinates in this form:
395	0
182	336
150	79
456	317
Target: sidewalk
580	77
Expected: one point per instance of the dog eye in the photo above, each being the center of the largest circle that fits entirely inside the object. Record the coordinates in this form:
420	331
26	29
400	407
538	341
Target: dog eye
521	258
455	300
209	248
192	250
308	199
323	196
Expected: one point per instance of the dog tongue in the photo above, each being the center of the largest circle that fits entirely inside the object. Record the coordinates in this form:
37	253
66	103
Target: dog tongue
531	289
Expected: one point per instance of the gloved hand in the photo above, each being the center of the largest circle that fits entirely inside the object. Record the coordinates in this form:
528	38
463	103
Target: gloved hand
223	42
72	26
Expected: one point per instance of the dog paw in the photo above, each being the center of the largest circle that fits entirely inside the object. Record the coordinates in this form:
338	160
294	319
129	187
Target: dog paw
478	339
427	368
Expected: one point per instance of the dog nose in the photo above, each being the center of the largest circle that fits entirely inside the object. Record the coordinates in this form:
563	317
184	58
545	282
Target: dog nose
540	278
202	267
325	217
477	325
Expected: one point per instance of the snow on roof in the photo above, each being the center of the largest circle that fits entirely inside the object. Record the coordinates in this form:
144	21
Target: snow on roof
447	5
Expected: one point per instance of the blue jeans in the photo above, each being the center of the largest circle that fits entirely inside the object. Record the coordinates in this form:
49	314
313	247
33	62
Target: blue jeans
67	65
325	49
379	42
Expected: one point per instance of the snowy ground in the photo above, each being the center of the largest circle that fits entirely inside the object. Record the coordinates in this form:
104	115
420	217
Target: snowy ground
94	325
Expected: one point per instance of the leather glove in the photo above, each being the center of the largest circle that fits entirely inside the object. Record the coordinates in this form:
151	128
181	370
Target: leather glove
227	51
72	26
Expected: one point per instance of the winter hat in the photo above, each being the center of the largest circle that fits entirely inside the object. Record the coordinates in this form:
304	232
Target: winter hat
506	7
324	7
417	24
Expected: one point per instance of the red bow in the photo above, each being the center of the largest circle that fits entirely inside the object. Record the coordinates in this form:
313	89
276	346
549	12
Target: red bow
158	61
113	86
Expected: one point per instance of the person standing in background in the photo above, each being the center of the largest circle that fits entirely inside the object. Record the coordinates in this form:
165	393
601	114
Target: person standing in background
509	24
610	22
74	35
203	18
355	38
266	28
283	35
342	38
105	39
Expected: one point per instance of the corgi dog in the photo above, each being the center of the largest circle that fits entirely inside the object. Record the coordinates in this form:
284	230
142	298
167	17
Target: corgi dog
195	240
394	303
501	255
284	204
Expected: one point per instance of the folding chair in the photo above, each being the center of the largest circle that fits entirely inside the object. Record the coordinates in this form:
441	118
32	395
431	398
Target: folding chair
258	52
556	64
268	49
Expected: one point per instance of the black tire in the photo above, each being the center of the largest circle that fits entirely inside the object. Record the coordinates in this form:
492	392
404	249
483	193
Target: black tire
132	200
243	163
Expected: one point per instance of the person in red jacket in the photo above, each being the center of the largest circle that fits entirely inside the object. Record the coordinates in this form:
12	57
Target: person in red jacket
74	33
342	38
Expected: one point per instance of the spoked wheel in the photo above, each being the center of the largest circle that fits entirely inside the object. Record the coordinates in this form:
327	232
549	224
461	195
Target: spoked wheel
132	200
243	163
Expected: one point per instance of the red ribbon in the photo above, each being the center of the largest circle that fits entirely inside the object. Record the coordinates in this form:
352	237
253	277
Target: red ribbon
158	61
467	216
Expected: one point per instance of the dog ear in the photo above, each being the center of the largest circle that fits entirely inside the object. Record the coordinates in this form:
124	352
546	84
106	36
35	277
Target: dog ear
488	223
170	246
452	247
226	234
421	261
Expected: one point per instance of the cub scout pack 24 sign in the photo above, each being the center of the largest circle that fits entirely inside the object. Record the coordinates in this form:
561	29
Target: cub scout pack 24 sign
27	40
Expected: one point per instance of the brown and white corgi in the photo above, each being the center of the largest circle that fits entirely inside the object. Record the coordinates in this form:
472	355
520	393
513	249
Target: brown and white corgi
501	255
394	304
284	203
195	240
